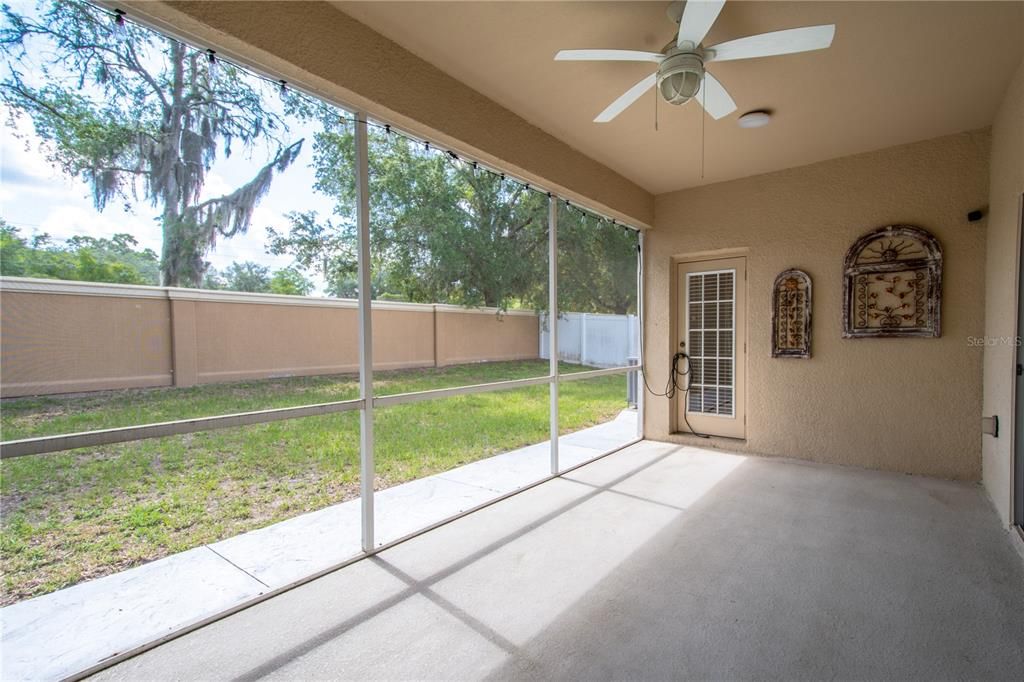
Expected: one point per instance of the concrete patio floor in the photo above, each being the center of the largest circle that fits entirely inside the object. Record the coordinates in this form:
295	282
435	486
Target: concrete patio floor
656	562
66	632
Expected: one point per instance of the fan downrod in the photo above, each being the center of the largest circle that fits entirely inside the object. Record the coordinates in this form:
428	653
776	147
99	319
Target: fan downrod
675	11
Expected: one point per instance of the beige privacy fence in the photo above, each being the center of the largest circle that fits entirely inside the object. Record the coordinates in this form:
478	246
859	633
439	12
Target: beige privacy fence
65	337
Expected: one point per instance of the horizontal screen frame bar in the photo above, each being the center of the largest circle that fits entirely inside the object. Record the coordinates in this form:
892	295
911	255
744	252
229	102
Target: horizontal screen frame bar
70	441
593	373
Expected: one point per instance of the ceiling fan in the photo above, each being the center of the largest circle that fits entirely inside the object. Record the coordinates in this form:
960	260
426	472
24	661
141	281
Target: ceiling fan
681	73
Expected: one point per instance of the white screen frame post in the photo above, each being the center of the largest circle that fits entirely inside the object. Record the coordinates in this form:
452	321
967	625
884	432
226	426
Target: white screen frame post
553	325
641	385
367	471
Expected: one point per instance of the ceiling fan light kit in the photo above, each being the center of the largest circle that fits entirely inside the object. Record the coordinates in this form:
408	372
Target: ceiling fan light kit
681	74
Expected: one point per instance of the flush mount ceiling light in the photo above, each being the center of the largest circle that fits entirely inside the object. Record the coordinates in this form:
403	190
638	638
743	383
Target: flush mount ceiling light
681	76
754	119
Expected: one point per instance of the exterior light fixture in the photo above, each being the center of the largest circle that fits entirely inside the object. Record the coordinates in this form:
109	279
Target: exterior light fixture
680	76
754	119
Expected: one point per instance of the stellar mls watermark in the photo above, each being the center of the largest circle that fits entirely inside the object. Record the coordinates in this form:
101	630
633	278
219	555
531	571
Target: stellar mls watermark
987	341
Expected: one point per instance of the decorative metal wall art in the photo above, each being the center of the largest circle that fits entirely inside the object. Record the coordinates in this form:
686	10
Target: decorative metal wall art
892	284
791	315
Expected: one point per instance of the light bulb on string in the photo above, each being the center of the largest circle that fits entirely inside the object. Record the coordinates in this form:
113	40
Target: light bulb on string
120	28
213	66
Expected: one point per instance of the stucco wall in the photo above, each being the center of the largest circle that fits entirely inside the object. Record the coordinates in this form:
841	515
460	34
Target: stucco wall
63	337
1007	185
461	335
55	344
910	405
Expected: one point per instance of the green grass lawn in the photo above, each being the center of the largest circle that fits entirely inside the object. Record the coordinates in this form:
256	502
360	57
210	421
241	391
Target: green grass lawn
85	513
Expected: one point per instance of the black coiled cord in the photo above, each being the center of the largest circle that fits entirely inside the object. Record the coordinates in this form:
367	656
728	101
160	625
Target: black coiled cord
678	380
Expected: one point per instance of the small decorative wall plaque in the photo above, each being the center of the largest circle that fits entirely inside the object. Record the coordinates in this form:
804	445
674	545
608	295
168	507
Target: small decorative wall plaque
791	315
892	284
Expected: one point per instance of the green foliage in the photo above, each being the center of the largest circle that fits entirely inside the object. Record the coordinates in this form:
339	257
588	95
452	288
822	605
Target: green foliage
255	278
442	231
121	249
87	259
597	265
325	248
212	279
247	276
140	115
291	282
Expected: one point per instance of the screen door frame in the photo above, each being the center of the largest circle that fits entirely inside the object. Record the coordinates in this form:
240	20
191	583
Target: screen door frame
727	426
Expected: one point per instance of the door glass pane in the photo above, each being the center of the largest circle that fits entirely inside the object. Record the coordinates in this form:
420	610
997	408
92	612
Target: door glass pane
711	347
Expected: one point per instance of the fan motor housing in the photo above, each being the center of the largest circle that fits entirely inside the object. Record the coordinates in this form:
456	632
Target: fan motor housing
680	76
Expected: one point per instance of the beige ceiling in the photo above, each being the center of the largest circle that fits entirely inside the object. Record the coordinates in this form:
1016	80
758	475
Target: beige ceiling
897	72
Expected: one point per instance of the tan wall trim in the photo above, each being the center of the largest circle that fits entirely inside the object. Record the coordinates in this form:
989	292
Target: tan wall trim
86	385
446	308
326	52
468	359
53	286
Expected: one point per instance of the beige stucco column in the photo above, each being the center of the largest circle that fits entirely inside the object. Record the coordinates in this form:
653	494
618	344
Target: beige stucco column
183	342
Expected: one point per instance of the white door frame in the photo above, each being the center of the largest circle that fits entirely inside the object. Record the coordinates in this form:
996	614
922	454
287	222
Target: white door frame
676	423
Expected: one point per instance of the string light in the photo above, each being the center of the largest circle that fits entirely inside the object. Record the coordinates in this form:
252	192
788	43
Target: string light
120	29
215	64
213	67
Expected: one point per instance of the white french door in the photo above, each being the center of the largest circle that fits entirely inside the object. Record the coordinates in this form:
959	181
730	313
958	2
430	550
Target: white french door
712	333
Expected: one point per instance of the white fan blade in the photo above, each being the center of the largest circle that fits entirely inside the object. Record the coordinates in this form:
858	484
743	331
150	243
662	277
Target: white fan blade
698	16
607	55
627	98
714	97
790	41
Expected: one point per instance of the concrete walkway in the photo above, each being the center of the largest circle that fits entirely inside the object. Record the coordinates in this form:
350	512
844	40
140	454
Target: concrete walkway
63	633
658	562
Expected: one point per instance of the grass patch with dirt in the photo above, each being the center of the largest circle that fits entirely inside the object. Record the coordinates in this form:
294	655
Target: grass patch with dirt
82	514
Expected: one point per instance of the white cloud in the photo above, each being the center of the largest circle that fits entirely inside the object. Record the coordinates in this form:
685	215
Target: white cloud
215	186
70	220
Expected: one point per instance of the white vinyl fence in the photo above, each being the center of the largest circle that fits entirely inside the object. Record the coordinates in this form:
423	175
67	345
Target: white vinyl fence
594	339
